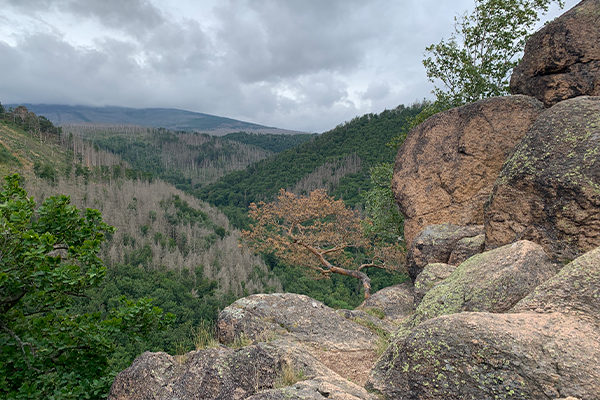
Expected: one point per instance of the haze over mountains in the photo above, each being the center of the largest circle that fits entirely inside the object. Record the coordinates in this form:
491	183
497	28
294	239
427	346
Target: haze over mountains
170	118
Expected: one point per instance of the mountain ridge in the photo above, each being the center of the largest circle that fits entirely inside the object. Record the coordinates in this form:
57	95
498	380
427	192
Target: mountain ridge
169	118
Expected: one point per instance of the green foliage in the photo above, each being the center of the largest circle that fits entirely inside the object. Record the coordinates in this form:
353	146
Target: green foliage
270	142
364	136
381	207
477	60
338	291
45	171
7	158
189	296
49	258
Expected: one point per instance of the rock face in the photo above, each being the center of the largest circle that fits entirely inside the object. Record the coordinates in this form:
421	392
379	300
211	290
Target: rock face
436	244
548	349
493	281
446	167
224	373
562	60
430	277
293	316
396	301
549	190
574	291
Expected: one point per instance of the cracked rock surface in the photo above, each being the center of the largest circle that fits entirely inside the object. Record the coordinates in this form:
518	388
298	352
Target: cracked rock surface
446	167
562	60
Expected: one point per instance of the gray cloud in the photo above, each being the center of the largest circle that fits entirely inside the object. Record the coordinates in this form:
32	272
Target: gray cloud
306	65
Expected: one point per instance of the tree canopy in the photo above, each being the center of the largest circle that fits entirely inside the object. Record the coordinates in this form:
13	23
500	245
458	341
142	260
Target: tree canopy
319	233
477	59
48	257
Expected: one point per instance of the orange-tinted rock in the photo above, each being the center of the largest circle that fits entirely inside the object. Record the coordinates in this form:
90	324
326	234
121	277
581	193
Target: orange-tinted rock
447	166
562	60
549	189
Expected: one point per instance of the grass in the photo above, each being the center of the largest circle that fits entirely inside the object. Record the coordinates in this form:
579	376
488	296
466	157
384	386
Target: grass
375	312
383	339
289	376
204	336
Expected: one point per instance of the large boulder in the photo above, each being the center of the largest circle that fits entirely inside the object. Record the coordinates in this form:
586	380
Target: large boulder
345	343
436	244
224	373
429	278
549	189
574	291
482	356
395	302
548	348
446	167
562	60
296	317
493	281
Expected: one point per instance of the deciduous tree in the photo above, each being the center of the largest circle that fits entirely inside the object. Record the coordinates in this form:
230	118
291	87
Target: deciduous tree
477	60
48	257
319	233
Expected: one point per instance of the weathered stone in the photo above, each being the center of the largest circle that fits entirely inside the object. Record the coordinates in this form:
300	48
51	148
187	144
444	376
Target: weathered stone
562	60
486	356
396	301
296	317
446	167
466	248
547	348
549	189
308	390
369	318
224	373
431	275
575	291
435	244
493	281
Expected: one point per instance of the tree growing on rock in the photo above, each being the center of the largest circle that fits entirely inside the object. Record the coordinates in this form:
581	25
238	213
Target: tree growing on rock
477	60
321	234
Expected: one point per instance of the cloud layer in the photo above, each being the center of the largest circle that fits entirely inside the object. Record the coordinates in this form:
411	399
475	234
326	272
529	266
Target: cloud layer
304	65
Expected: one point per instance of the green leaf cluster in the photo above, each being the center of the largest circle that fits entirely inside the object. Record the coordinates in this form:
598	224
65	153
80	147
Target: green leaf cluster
477	60
48	258
387	222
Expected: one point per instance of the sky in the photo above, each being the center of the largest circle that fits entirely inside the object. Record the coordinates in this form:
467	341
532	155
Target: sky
304	65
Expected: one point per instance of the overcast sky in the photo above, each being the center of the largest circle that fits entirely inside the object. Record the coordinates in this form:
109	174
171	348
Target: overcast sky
297	64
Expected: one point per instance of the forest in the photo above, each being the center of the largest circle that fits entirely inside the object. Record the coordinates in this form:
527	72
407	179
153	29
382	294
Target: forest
162	191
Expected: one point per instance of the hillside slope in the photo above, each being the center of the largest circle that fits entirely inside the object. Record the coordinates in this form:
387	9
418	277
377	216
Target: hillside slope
339	159
169	118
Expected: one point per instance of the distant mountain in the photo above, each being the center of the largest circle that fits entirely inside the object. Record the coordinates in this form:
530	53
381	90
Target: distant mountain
170	118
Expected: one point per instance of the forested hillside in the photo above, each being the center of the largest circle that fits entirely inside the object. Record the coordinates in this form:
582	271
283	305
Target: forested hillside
352	147
269	141
168	246
173	247
181	158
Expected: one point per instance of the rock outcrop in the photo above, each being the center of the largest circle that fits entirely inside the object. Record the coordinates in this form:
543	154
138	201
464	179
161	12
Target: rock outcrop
493	281
562	60
429	278
295	317
436	244
224	373
549	189
447	166
548	350
344	341
396	302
